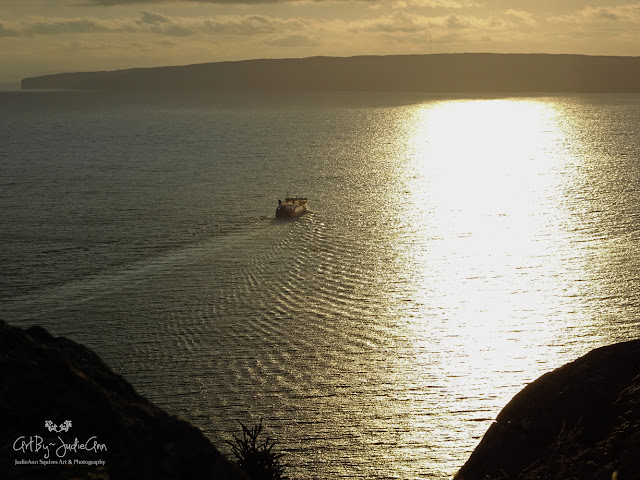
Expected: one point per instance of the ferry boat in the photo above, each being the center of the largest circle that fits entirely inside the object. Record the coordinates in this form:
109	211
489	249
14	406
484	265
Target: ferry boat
291	207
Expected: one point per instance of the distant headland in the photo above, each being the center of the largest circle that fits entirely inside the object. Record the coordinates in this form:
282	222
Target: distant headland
442	73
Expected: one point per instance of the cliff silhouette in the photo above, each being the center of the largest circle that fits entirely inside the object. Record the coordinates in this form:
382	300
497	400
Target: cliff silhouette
66	415
580	421
469	72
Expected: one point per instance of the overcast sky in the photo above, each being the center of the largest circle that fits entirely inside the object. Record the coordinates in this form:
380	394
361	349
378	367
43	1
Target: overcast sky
51	36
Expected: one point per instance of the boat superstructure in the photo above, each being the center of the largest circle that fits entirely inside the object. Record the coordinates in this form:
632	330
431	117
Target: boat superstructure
291	207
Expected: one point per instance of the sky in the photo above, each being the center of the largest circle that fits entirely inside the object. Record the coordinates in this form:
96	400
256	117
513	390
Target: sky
51	36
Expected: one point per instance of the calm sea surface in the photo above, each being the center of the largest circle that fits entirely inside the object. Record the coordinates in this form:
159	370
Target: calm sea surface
457	248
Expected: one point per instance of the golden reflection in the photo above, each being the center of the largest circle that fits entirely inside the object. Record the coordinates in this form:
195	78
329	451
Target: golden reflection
479	250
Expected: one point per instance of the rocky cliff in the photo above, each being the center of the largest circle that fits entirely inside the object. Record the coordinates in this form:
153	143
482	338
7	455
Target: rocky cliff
581	421
65	415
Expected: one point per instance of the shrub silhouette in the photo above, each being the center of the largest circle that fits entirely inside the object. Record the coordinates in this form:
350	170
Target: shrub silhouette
257	458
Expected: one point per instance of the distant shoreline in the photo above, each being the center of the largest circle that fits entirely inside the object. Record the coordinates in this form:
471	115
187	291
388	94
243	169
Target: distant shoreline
441	73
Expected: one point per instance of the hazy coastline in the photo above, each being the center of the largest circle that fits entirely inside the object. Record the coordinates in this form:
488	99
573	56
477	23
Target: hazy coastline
470	72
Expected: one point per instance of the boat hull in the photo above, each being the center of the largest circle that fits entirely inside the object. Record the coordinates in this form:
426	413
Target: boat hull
283	212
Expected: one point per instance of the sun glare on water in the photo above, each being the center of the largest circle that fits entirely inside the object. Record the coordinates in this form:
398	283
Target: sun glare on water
480	245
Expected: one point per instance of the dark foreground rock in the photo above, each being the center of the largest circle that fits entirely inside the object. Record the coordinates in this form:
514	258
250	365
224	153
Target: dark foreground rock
65	415
581	421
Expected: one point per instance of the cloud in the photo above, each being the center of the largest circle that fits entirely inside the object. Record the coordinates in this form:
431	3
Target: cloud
456	22
110	3
165	25
405	22
154	23
293	41
7	31
253	24
521	15
450	4
611	14
107	3
55	26
397	22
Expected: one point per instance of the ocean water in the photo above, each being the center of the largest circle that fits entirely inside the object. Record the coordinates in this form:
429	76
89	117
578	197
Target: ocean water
456	248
